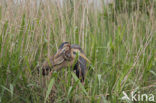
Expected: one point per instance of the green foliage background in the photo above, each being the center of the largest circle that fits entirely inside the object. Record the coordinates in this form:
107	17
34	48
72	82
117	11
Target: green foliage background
119	39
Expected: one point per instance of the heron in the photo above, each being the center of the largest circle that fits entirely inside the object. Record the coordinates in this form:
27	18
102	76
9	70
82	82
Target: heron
68	55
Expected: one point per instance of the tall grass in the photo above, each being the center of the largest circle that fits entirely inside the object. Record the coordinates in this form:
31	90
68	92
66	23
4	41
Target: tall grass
120	45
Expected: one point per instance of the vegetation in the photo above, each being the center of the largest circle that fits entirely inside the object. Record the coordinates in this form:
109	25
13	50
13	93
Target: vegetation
120	45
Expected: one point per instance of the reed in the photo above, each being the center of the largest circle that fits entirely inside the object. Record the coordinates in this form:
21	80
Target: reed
120	45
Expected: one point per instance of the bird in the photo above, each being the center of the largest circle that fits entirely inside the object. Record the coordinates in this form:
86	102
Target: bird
68	55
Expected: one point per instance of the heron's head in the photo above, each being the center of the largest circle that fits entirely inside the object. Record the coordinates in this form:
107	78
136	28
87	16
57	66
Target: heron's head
64	57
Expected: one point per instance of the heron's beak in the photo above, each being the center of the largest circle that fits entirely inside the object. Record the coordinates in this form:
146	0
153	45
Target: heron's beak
82	55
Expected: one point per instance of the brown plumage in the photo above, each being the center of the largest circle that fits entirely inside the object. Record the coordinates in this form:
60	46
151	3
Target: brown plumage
66	57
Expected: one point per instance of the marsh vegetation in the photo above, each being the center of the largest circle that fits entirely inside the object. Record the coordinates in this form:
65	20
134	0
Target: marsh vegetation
119	39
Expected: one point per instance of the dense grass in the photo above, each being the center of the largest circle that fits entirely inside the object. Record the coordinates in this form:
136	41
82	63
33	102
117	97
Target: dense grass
121	47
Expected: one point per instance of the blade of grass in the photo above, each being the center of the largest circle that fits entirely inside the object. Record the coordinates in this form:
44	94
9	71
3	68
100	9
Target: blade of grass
80	84
49	89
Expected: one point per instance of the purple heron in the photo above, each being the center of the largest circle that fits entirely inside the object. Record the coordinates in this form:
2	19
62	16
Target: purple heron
67	56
